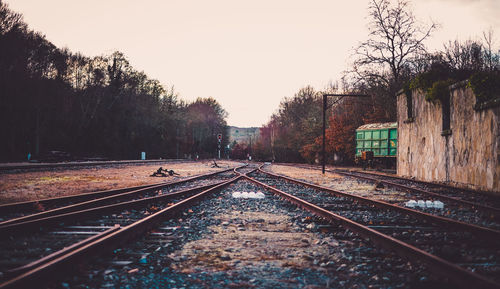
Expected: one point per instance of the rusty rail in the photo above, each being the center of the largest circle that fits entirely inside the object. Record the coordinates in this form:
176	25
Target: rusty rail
495	212
31	278
98	201
460	277
48	258
31	166
35	224
489	234
4	208
437	185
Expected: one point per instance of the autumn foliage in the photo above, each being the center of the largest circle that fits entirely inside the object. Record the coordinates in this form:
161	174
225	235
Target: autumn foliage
339	140
294	133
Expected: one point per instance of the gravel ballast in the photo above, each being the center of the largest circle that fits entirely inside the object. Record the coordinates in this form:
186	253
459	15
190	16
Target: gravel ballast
227	242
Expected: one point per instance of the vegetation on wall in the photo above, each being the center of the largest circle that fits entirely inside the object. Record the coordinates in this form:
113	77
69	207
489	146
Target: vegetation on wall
439	90
471	61
486	87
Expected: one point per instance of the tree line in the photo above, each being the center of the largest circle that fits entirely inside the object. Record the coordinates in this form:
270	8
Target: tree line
392	58
54	99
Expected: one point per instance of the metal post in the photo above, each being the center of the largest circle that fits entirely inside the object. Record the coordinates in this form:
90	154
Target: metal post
219	142
339	98
323	161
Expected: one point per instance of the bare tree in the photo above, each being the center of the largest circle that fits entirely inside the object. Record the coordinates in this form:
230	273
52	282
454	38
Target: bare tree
396	37
491	58
464	56
10	20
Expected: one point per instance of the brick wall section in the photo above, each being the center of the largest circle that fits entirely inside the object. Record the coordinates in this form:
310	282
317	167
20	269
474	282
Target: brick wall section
469	157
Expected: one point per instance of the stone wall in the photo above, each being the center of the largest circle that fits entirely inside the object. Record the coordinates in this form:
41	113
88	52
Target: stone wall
468	157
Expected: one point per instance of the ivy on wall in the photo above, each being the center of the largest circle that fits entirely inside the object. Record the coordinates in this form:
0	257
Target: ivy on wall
435	84
486	87
439	90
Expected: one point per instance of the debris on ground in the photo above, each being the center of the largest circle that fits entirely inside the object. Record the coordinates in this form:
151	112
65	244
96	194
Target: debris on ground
215	165
163	173
378	186
159	173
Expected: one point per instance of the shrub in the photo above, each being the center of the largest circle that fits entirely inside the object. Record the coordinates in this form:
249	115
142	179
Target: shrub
485	85
439	90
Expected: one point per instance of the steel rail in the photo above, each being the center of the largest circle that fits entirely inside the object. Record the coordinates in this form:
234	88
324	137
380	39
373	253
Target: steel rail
4	208
494	212
97	202
460	277
437	185
251	171
33	225
27	205
48	258
490	235
31	278
31	166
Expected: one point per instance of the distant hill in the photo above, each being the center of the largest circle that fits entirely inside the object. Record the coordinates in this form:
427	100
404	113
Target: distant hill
243	134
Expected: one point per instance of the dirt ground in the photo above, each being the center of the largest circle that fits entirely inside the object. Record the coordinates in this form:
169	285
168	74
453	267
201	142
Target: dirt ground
35	185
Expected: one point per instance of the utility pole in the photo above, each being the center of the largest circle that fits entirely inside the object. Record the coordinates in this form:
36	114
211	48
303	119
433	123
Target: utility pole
323	151
325	104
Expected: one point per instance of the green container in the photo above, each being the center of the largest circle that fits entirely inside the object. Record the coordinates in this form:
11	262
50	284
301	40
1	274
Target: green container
380	138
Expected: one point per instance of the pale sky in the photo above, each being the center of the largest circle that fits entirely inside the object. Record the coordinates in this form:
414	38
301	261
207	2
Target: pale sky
246	54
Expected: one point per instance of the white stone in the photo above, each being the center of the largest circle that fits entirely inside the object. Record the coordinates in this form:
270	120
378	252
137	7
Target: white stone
248	195
438	205
411	204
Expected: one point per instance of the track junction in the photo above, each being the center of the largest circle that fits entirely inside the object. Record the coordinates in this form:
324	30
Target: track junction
195	233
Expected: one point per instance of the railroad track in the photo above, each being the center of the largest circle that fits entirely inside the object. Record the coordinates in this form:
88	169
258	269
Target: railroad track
455	208
38	166
20	209
263	243
63	234
470	195
25	211
463	197
466	254
160	219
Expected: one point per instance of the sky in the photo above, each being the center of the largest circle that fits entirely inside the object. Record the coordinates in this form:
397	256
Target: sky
248	55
